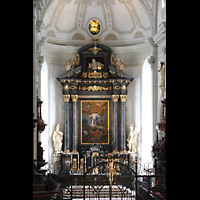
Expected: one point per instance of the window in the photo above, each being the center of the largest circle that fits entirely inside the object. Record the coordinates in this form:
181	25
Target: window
163	4
94	27
45	113
147	113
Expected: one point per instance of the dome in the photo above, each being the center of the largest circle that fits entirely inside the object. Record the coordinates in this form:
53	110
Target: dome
121	22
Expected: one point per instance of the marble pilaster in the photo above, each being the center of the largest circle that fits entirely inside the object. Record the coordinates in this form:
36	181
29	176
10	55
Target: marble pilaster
123	122
67	133
74	129
115	123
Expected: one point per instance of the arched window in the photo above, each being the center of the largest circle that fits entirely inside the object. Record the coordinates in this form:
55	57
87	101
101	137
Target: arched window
163	4
45	112
147	112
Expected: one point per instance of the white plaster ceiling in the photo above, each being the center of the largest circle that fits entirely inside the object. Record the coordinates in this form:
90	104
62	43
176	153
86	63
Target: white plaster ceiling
125	25
123	22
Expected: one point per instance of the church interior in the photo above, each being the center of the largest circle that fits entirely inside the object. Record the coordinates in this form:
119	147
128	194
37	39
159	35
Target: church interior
99	99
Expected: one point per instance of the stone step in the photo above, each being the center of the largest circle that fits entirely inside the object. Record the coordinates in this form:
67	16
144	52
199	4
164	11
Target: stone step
91	193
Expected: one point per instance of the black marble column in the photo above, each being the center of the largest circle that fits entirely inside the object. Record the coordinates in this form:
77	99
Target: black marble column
115	123
74	128
67	134
123	123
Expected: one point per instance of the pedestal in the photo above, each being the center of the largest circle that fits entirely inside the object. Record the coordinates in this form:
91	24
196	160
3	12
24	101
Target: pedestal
132	159
57	163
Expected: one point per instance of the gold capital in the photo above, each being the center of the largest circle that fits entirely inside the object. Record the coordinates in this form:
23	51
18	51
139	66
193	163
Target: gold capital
74	98
123	98
66	97
115	98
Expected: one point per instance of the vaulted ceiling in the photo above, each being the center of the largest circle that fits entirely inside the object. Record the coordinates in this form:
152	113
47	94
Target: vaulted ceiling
122	21
125	25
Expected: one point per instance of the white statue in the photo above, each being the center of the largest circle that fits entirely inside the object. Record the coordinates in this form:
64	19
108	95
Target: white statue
162	73
132	139
95	65
57	139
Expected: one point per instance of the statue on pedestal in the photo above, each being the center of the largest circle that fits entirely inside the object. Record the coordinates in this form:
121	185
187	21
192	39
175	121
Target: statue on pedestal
132	139
57	139
162	73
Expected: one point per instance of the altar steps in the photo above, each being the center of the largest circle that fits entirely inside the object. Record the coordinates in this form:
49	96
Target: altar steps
94	192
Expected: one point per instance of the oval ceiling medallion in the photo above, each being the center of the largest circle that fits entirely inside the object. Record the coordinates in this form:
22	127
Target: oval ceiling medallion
94	27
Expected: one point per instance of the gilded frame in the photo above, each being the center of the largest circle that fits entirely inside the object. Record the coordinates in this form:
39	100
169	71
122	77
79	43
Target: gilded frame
94	122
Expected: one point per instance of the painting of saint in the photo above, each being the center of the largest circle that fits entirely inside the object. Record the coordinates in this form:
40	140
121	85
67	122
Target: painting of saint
94	121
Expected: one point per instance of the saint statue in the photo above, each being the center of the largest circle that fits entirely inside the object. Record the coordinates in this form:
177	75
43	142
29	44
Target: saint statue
132	139
94	119
57	139
95	65
162	73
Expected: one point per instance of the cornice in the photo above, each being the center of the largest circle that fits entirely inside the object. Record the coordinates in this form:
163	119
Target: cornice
161	34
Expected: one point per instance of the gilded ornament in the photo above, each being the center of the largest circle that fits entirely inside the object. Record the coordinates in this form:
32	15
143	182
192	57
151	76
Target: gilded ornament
66	87
84	74
123	98
95	74
117	87
95	51
95	88
123	87
68	66
73	87
105	74
74	98
115	98
122	66
66	97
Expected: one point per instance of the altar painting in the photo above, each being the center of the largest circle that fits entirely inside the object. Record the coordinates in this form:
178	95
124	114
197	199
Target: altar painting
94	121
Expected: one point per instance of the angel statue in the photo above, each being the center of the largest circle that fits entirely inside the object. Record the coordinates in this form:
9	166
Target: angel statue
57	139
132	139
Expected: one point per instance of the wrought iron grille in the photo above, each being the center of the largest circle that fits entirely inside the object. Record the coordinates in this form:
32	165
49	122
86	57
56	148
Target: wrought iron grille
123	183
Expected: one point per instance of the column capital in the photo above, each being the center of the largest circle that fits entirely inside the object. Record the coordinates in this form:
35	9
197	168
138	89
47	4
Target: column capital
123	98
151	61
66	97
74	98
115	98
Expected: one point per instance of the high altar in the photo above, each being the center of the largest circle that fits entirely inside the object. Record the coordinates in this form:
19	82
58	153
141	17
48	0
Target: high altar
95	94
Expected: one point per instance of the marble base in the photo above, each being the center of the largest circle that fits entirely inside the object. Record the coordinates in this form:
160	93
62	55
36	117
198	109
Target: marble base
123	151
75	151
66	151
57	163
133	155
115	151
